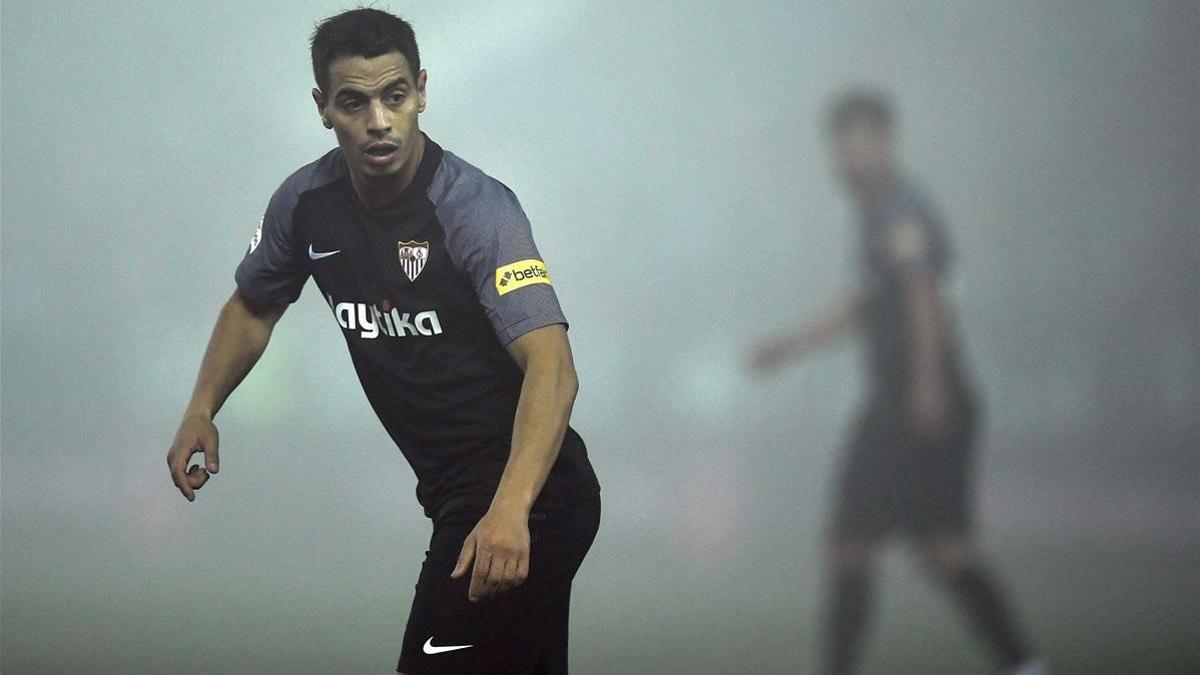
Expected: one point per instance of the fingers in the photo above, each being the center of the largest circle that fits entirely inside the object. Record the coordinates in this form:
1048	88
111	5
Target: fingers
464	556
497	574
211	457
177	460
197	477
189	482
480	584
522	569
496	553
188	443
508	578
764	358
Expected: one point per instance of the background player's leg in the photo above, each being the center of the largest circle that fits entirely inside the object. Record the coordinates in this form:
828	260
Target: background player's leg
864	510
953	560
851	561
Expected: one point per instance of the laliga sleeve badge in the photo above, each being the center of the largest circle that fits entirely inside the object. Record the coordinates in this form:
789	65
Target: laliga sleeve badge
413	256
257	238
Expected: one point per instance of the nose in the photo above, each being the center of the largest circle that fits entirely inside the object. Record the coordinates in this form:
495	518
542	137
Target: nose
378	120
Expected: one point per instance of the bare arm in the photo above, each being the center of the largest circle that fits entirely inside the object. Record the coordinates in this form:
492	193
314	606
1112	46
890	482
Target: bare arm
928	396
547	396
500	541
238	339
837	322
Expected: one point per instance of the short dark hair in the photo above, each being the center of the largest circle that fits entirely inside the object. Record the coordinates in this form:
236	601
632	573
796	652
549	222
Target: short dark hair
362	32
863	104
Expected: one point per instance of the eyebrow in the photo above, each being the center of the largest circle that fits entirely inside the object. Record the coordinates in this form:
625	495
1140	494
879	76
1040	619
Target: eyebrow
351	91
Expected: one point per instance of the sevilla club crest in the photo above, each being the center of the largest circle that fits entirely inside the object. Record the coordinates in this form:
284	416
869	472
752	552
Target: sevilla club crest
413	256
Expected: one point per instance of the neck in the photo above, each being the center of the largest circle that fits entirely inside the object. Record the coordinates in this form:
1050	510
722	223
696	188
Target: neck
375	192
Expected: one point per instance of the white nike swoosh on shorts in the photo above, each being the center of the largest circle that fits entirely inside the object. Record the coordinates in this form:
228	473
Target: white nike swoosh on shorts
428	647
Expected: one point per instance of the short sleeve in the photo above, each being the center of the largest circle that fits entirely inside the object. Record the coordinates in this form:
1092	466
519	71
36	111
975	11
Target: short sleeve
273	271
491	239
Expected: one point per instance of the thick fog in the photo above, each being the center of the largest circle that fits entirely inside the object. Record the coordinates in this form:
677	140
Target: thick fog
674	162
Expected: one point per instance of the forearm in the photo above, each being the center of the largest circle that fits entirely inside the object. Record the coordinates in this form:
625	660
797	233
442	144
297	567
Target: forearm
833	325
543	411
238	340
925	328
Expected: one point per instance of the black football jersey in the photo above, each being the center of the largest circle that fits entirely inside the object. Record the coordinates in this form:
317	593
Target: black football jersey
902	236
427	291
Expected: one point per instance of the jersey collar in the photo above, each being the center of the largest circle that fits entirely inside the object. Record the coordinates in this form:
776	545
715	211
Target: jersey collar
415	193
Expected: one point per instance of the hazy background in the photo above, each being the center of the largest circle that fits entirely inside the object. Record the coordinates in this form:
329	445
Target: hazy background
672	161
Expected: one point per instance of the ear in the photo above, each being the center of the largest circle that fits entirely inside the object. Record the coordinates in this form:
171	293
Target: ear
421	78
319	99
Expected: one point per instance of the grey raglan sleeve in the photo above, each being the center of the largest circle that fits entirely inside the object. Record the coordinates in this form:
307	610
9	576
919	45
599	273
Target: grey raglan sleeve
491	240
274	269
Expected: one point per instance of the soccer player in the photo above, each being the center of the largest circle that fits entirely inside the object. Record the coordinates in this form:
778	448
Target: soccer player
908	461
430	270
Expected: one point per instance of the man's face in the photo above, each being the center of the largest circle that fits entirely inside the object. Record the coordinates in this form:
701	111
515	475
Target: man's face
372	106
863	152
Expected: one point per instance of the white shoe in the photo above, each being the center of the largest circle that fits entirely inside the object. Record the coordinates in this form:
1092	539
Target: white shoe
1030	667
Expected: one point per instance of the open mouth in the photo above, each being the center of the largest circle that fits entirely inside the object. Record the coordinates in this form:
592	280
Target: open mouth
380	154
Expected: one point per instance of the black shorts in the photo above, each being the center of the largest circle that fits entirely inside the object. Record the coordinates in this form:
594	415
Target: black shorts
892	481
522	630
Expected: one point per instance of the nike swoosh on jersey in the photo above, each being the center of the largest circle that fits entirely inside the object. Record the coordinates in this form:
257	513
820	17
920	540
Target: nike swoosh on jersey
314	255
428	647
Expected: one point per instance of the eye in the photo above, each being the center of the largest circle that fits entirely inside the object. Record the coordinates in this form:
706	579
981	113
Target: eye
396	97
350	104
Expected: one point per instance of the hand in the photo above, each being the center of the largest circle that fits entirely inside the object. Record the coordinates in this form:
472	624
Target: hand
196	434
767	356
499	543
928	409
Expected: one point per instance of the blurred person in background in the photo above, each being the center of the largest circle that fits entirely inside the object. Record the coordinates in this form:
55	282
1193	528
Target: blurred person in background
456	334
907	466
